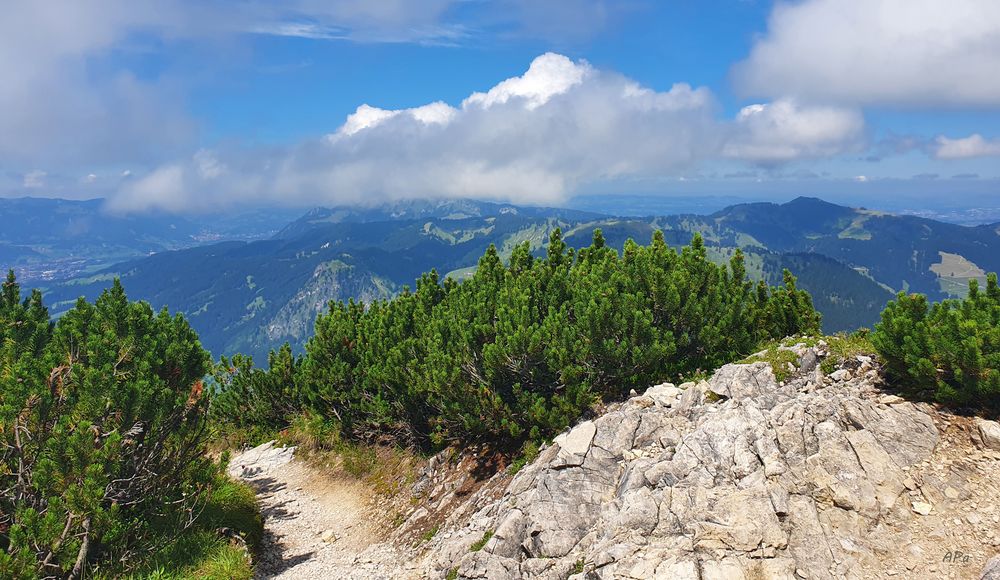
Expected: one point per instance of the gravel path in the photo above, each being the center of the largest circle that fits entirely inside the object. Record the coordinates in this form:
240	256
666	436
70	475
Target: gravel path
315	527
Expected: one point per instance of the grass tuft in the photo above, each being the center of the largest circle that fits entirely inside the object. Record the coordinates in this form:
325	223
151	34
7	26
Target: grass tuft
481	542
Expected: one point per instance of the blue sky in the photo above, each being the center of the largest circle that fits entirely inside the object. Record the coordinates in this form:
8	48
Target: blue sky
173	105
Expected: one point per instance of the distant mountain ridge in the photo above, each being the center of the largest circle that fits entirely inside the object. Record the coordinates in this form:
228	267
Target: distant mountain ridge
251	296
52	239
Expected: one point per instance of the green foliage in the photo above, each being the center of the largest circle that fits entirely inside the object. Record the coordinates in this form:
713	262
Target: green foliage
253	404
481	542
520	350
102	422
529	452
200	551
948	351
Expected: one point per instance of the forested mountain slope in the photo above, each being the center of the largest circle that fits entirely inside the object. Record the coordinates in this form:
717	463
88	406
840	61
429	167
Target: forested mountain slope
251	297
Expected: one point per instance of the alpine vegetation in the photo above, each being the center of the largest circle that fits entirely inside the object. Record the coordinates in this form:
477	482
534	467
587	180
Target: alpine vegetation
102	420
521	349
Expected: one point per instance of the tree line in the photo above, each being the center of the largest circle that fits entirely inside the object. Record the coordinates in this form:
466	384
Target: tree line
519	350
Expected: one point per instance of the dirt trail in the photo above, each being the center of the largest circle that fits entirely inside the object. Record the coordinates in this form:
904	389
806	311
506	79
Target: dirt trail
315	527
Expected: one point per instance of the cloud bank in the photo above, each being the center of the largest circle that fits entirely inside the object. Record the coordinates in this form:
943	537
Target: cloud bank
972	146
878	52
534	138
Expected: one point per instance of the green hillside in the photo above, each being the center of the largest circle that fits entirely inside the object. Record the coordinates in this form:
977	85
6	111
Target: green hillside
252	296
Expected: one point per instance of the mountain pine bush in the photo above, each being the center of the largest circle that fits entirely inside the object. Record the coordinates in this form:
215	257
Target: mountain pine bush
101	419
948	351
520	350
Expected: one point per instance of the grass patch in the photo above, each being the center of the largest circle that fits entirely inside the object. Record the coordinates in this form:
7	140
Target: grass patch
777	357
452	574
201	551
841	347
577	567
388	469
847	346
481	542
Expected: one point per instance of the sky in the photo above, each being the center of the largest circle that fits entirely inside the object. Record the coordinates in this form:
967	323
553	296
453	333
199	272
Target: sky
201	106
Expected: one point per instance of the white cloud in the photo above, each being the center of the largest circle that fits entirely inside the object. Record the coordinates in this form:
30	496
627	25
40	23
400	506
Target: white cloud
549	75
883	52
367	116
56	108
34	179
974	145
784	131
535	138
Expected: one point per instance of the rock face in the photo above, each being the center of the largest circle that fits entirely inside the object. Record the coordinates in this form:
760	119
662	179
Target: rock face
736	477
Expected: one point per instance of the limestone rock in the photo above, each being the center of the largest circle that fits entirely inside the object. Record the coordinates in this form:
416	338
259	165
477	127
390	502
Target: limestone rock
573	446
989	433
922	508
260	459
992	569
761	480
665	394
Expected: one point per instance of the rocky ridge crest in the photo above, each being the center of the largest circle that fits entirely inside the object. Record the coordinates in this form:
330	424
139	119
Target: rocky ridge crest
744	477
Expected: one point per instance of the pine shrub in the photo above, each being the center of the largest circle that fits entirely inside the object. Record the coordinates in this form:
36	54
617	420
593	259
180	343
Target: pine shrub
101	418
947	351
521	350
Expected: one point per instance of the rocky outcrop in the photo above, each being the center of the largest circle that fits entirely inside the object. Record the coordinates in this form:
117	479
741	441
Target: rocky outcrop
741	476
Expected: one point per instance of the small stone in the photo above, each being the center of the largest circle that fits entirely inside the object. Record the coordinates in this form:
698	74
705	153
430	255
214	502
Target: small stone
909	484
801	573
891	399
951	493
973	519
922	508
328	537
841	375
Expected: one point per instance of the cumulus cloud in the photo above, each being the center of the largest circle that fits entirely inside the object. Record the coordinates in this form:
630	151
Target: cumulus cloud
534	138
974	145
882	52
783	131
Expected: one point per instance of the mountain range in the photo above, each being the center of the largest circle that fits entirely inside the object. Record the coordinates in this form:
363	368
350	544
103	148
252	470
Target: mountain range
246	295
47	240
